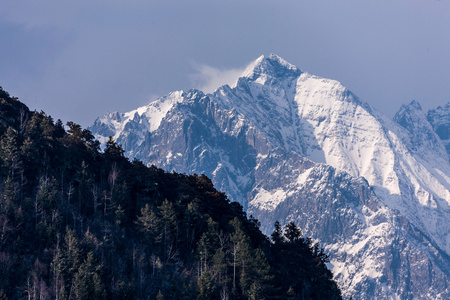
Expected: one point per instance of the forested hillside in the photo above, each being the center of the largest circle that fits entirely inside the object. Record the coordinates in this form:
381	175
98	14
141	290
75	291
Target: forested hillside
80	223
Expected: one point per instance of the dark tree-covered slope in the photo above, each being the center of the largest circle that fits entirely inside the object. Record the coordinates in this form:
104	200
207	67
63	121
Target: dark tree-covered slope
80	223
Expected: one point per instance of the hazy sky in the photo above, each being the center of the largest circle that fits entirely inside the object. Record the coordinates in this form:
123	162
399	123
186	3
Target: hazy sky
77	60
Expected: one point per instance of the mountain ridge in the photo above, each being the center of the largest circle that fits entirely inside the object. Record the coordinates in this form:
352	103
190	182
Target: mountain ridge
262	140
81	223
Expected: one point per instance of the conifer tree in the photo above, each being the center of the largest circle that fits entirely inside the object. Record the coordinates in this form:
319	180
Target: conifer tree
206	286
10	152
219	267
292	232
148	224
208	243
87	282
168	229
69	258
277	235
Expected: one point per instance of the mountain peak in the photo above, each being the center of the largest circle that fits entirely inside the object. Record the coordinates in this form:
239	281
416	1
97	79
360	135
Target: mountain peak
439	118
422	134
414	105
408	112
271	65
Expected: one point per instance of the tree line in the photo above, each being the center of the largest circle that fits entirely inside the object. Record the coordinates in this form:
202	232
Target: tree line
78	222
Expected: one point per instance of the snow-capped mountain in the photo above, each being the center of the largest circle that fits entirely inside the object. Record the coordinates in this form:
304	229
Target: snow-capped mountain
289	145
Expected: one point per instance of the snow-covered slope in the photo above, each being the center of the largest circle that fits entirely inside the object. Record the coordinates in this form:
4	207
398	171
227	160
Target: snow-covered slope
356	139
292	146
131	129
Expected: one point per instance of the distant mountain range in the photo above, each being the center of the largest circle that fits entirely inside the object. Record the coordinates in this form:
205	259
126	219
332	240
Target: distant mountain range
291	146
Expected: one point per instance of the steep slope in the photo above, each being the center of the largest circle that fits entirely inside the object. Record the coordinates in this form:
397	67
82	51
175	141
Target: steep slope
130	129
375	252
356	139
292	146
422	137
439	118
80	223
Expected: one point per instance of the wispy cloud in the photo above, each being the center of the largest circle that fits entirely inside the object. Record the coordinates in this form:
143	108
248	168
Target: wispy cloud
208	79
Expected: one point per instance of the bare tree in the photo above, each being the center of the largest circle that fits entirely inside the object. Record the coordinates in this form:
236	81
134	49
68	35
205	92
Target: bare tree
38	210
234	252
5	230
95	192
224	293
112	177
223	239
70	192
23	120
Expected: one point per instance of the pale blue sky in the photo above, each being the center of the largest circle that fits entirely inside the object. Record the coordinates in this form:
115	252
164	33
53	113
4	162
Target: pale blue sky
78	59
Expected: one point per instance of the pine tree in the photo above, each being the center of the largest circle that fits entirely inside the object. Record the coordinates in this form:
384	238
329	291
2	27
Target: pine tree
208	243
241	251
206	286
168	229
292	232
277	235
8	203
68	258
147	222
58	268
255	292
87	282
10	152
261	273
219	267
160	295
113	150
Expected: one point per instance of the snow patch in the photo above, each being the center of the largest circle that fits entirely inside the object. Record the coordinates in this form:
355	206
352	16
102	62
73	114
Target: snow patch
268	200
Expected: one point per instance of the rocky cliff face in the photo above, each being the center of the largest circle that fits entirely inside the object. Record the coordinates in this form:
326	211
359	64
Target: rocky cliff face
439	118
375	251
291	146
